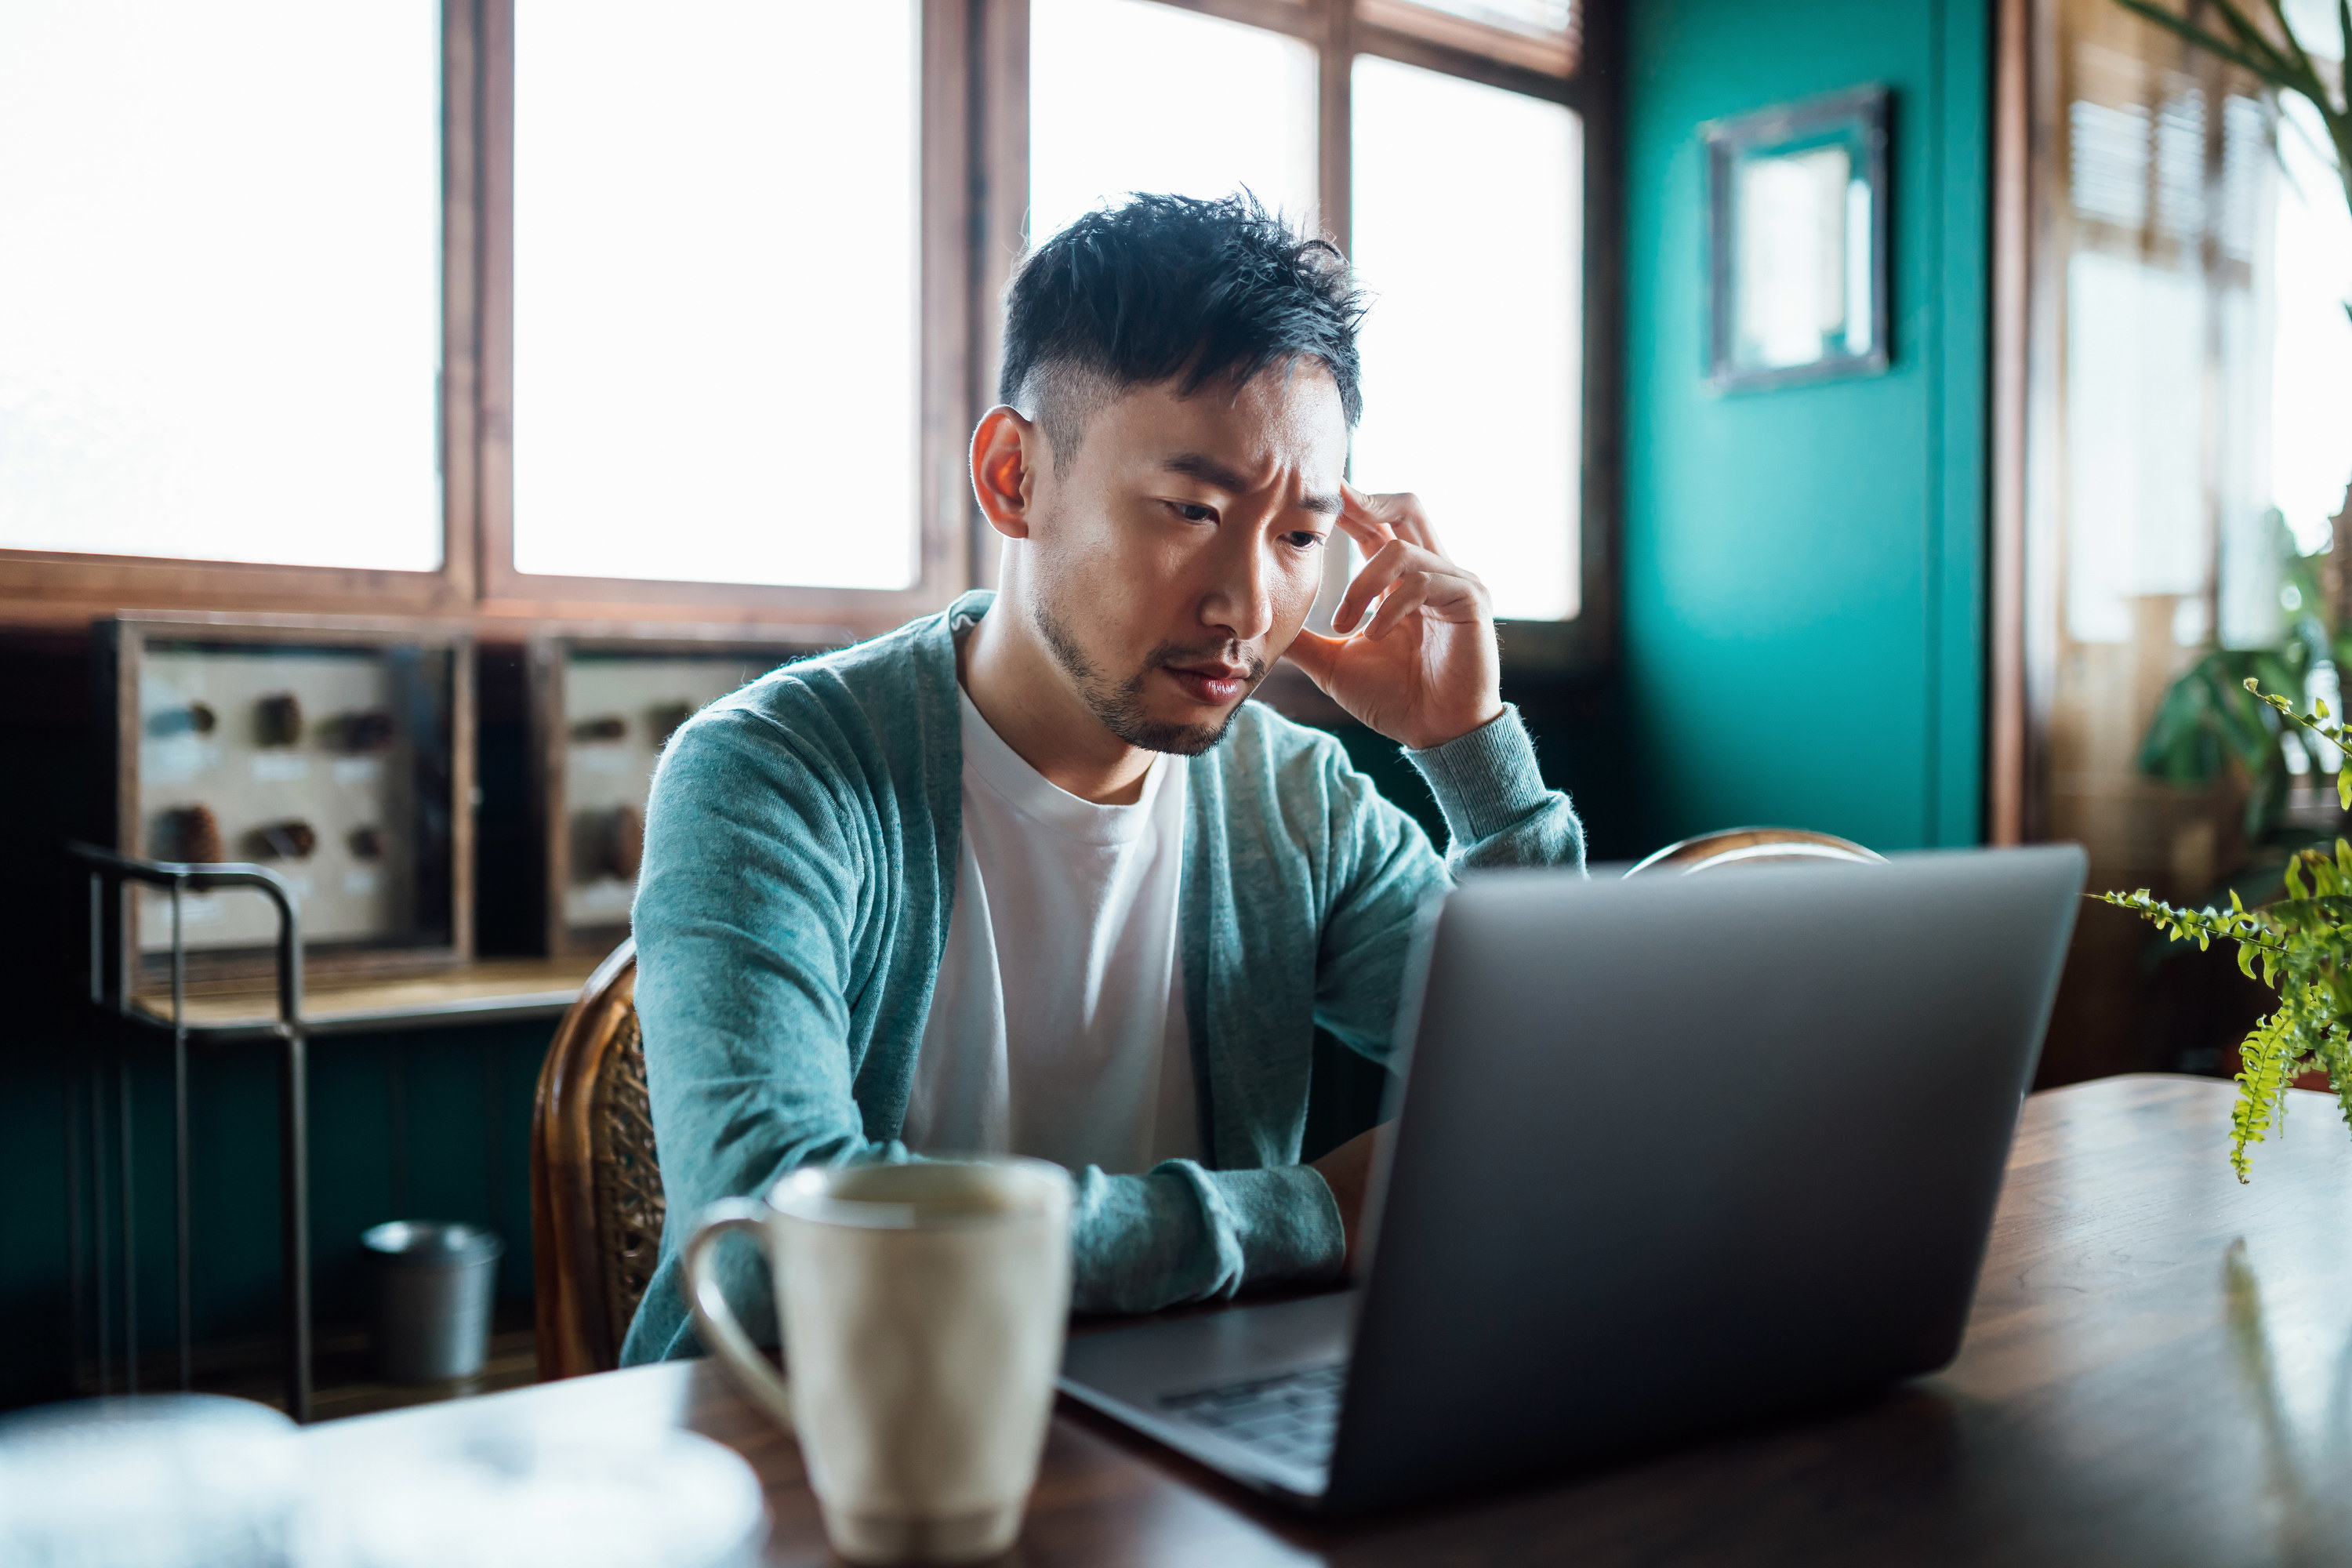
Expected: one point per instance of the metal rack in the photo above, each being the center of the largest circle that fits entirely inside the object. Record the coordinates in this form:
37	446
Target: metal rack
110	967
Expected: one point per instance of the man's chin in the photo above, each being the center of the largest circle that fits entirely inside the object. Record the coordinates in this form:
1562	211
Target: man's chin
1187	733
1176	737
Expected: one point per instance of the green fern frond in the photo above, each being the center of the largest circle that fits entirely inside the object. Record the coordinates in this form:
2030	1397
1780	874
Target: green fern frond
2265	1072
2300	947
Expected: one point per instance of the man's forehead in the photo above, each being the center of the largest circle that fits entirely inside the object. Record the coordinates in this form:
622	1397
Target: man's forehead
1209	470
1241	439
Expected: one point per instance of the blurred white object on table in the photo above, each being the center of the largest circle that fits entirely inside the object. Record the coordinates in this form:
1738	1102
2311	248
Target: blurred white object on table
166	1481
510	1494
202	1481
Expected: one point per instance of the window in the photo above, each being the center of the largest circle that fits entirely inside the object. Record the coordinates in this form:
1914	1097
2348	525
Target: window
545	313
1098	128
1498	468
2185	438
219	340
715	292
1473	394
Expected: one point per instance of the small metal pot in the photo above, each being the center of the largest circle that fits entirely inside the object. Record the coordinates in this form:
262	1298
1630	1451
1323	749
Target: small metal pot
433	1284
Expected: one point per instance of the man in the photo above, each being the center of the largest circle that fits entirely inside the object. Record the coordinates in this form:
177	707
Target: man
1032	876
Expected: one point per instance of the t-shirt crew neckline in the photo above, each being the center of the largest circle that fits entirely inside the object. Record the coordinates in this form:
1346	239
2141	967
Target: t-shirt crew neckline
1005	773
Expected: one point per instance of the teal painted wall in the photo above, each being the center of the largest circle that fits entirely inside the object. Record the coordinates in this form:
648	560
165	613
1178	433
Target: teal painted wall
1804	567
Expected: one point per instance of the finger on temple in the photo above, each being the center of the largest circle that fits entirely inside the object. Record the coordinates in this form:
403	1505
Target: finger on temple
1400	517
1360	507
1369	531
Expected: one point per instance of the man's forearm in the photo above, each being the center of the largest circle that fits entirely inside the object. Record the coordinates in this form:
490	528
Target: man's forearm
1180	1233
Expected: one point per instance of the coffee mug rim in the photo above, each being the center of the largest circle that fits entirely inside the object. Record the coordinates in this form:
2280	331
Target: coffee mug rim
802	1194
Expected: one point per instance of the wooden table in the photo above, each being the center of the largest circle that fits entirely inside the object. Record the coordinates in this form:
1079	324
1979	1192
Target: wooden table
2159	1370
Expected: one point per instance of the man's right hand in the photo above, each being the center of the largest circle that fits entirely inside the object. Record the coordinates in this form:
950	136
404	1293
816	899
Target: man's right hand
1415	658
1348	1172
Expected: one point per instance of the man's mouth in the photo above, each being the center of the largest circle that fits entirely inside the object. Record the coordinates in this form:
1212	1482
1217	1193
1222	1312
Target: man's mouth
1211	683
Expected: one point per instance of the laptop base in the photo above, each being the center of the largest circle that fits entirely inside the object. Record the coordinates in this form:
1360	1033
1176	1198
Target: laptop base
1183	1381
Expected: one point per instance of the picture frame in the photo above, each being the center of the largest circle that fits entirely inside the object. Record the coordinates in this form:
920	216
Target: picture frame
603	708
1797	272
338	751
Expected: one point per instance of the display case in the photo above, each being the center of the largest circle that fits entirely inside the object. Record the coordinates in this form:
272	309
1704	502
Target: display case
336	750
603	710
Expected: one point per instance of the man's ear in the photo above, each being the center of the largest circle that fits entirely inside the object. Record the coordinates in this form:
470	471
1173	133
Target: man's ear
1007	452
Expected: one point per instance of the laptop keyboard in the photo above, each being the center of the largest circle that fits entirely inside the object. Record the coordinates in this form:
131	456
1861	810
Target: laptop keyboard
1293	1417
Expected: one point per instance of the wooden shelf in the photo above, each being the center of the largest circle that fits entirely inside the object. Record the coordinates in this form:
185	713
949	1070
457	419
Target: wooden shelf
483	991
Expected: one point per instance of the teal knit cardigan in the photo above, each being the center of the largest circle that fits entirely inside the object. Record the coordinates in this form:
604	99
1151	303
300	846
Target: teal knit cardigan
798	877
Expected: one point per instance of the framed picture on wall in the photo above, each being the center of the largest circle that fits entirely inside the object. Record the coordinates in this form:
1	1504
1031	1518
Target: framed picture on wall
337	750
603	710
1796	240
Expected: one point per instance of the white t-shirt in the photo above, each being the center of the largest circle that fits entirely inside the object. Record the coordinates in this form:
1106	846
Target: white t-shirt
1057	1026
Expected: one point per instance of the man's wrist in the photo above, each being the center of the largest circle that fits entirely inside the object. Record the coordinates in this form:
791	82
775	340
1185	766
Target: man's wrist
1485	779
1287	1222
1431	740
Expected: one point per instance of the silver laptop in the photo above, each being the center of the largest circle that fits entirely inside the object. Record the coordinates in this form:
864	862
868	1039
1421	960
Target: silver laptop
1674	1153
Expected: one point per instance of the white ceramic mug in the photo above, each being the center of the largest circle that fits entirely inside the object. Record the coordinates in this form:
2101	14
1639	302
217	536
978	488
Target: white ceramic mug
921	1307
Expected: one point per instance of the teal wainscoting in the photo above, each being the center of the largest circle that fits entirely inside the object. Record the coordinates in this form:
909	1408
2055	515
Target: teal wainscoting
1804	567
432	1125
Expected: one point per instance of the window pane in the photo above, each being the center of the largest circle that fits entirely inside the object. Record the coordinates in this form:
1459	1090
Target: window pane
220	288
1129	95
2311	342
1469	234
715	242
2189	432
1543	18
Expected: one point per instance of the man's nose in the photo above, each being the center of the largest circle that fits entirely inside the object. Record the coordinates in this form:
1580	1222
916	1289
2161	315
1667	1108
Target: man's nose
1240	601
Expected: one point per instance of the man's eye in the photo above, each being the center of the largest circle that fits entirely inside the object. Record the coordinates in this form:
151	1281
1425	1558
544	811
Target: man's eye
1303	539
1192	513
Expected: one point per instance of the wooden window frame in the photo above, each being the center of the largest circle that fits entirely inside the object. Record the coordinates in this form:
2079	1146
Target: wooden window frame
71	588
974	197
944	415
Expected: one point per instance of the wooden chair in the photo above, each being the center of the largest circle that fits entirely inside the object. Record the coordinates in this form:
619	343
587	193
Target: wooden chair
596	1200
1737	847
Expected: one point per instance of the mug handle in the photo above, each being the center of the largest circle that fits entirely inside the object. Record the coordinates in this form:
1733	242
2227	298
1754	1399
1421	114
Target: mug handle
714	1320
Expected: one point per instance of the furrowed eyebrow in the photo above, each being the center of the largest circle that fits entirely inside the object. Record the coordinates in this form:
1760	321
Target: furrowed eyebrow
1209	471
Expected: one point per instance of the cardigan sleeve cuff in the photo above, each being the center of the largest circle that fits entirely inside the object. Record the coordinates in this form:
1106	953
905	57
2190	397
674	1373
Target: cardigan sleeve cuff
1287	1224
1484	781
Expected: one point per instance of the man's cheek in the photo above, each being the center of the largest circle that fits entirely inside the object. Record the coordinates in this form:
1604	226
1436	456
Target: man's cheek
1289	618
1302	587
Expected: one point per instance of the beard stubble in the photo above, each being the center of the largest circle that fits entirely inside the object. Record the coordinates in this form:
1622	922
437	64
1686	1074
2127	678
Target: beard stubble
1118	706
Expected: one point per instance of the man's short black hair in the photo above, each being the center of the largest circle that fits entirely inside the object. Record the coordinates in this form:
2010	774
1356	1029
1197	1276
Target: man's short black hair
1166	288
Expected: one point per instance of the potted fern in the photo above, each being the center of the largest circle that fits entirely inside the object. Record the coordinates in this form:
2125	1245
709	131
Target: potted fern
2300	946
